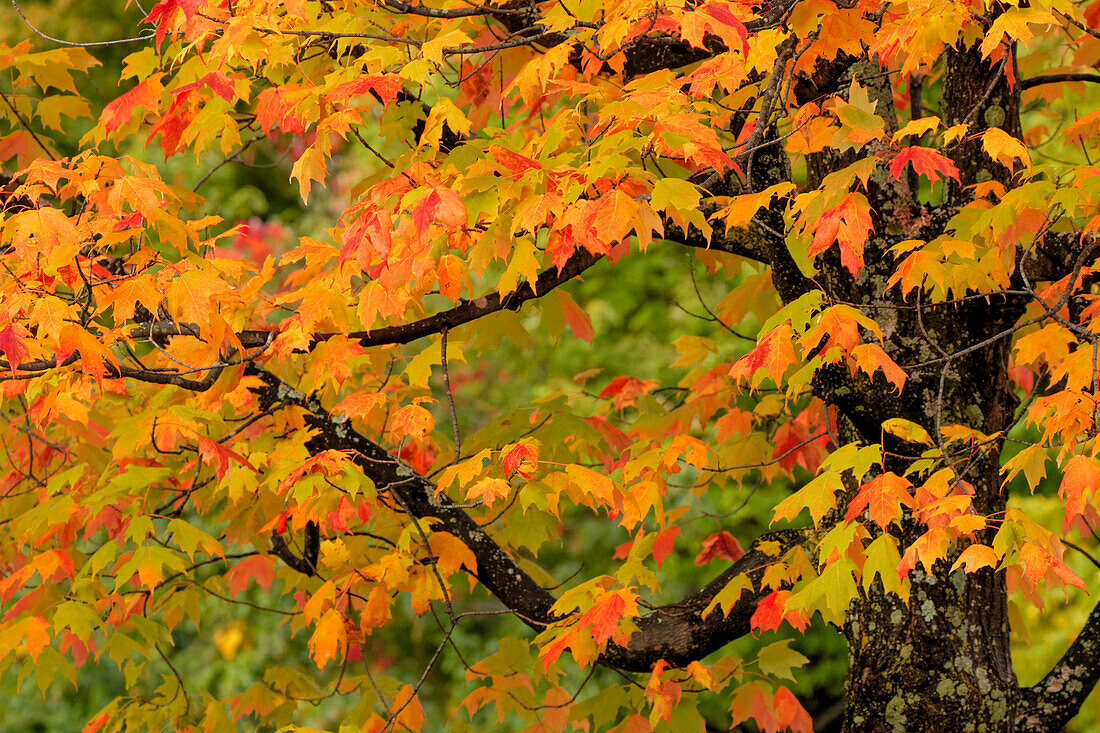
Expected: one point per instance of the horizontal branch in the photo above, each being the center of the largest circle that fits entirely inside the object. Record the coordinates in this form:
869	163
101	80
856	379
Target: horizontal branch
1057	79
676	632
466	311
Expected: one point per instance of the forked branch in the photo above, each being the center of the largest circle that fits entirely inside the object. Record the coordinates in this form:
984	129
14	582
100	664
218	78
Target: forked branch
676	632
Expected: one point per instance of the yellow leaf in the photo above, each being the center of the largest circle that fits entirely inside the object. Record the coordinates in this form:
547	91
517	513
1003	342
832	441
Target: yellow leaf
907	430
1004	148
308	168
917	127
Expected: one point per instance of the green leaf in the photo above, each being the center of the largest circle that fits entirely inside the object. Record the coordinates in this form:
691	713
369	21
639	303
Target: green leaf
778	659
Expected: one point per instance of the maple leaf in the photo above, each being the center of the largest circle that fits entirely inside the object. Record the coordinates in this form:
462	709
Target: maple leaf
881	498
624	391
871	357
521	458
219	456
773	354
770	613
604	616
164	12
1004	149
689	447
442	206
790	713
411	421
752	702
488	490
386	86
848	225
976	557
926	162
329	639
13	343
720	545
664	544
117	113
260	568
1080	484
577	319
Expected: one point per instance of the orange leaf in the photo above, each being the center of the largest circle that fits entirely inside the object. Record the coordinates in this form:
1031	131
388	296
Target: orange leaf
1080	484
774	354
488	490
575	317
217	455
117	113
411	421
976	557
881	498
329	639
848	225
870	357
604	616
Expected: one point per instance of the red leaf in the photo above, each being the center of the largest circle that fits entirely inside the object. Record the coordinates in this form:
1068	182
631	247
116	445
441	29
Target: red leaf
791	447
926	162
163	13
386	86
219	83
769	613
624	391
722	545
521	456
575	317
663	545
12	338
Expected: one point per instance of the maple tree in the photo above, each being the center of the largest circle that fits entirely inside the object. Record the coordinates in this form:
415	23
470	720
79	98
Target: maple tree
896	202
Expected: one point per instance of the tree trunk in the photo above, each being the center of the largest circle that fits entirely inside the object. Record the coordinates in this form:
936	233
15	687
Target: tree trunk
940	664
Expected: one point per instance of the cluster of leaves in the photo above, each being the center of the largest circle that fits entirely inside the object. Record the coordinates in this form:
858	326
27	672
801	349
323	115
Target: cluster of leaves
195	405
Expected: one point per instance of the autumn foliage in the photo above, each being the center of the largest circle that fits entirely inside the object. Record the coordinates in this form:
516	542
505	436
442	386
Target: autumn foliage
897	208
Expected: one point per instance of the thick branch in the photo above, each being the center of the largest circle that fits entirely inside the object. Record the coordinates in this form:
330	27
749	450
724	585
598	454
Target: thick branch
676	632
1051	703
